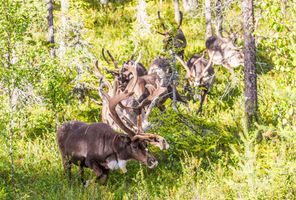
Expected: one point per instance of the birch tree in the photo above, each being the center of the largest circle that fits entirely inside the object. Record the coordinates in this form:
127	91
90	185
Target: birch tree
208	18
190	5
13	24
142	25
219	17
50	27
177	11
64	27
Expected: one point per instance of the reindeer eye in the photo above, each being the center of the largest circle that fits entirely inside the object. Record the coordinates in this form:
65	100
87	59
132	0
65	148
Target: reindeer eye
135	146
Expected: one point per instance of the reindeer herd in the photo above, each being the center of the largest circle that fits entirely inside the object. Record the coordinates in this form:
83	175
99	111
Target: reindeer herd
128	100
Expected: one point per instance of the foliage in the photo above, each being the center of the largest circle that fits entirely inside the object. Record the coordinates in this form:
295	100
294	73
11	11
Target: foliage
211	156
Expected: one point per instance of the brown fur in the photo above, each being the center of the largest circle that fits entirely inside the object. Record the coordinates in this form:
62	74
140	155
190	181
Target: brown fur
94	145
200	73
224	52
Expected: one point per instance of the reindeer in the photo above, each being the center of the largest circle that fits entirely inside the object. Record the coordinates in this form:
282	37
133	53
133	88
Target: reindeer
122	74
129	117
173	39
122	77
99	147
162	67
131	107
143	89
199	73
225	52
148	92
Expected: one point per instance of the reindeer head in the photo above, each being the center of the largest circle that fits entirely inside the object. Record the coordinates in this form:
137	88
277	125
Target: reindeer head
199	71
141	140
124	74
118	97
174	37
136	149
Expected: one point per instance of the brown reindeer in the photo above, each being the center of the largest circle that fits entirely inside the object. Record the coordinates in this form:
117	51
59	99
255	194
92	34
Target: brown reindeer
99	147
199	73
173	39
162	67
146	89
129	117
224	52
148	92
143	89
122	74
122	77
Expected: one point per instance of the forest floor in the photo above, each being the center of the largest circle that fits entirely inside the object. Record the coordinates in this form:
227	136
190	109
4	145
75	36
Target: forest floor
211	156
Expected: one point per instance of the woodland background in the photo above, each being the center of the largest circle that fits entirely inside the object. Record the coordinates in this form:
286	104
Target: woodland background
212	156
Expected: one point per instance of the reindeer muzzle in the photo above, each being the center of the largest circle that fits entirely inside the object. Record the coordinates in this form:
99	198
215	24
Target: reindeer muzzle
152	162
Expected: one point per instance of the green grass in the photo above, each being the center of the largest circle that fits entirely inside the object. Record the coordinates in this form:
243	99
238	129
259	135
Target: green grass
211	155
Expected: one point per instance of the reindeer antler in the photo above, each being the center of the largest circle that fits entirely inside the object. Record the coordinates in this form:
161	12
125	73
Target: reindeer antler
161	21
183	64
103	53
112	58
153	139
181	19
205	71
100	75
118	96
134	52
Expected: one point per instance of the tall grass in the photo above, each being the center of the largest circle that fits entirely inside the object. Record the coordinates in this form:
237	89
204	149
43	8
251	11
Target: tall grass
211	156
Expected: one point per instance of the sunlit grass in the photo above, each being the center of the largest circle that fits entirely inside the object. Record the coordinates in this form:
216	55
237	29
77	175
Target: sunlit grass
211	157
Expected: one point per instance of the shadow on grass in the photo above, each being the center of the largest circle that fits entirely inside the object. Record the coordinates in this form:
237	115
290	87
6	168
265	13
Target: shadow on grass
46	180
263	63
196	135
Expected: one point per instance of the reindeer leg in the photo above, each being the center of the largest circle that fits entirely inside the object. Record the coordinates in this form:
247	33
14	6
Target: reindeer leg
203	96
231	70
101	176
187	86
67	167
179	98
104	177
81	173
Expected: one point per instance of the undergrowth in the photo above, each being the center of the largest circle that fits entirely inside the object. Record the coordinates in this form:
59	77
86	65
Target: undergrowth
211	156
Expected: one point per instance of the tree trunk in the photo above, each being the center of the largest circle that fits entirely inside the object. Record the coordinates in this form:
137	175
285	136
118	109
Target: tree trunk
250	78
186	7
104	2
284	6
64	27
50	27
160	5
219	17
143	25
190	5
8	51
177	11
208	18
193	4
11	131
